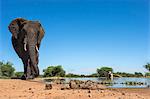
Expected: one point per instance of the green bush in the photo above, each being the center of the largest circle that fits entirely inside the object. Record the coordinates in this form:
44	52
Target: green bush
54	71
138	74
6	69
19	74
147	74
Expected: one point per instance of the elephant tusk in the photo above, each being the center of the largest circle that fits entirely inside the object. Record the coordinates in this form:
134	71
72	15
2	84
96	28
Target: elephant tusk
37	49
25	43
25	47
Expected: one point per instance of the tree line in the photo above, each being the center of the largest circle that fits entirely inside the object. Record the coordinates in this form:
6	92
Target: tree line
7	70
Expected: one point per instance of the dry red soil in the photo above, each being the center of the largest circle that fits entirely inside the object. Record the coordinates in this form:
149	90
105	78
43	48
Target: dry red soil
19	89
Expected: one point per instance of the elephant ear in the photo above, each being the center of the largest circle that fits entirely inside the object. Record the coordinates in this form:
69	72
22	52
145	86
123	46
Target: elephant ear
40	34
15	26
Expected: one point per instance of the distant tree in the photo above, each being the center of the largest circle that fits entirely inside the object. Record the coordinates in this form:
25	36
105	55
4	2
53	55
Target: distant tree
138	74
1	63
103	71
58	71
123	74
19	74
48	71
54	71
6	69
147	74
72	75
147	66
92	75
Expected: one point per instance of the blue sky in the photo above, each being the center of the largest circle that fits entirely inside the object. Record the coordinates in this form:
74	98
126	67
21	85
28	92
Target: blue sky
83	35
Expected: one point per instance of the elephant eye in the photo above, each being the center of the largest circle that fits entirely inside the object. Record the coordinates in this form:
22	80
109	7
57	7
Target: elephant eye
13	27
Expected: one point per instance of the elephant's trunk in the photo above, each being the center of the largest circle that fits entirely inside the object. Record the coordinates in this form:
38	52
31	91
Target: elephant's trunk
33	54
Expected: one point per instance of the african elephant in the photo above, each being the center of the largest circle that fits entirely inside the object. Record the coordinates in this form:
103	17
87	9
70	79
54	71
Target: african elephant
26	40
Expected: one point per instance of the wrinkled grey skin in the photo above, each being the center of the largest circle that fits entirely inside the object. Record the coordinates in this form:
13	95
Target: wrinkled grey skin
26	40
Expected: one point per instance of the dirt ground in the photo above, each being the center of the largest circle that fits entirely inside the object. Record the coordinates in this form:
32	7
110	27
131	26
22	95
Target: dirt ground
19	89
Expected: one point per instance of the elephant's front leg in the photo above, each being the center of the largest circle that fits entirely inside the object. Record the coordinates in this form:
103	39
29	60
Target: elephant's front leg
27	69
34	60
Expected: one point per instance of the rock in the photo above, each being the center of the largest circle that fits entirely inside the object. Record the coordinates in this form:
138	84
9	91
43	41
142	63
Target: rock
89	91
30	88
83	86
65	86
58	81
89	82
89	96
73	84
77	84
78	81
48	86
123	93
92	87
102	91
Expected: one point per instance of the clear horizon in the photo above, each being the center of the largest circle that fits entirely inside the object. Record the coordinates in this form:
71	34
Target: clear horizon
83	35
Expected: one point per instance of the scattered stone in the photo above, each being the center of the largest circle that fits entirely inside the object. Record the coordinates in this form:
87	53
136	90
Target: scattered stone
77	84
102	91
65	86
58	81
73	84
89	91
30	88
48	86
89	96
123	93
93	86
